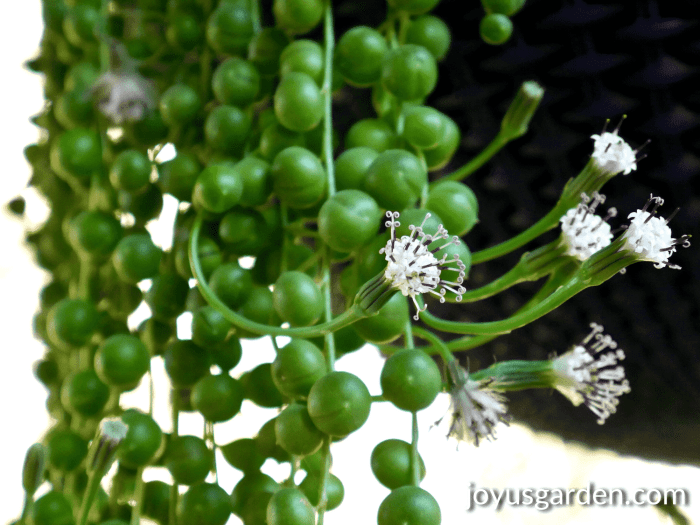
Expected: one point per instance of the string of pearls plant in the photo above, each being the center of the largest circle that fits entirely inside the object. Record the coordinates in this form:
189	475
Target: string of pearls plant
280	232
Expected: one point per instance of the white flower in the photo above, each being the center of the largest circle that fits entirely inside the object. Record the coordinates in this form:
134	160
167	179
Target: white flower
584	232
123	97
650	237
590	373
612	153
414	269
476	409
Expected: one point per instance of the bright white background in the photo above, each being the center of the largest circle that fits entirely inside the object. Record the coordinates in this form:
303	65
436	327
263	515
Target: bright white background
519	458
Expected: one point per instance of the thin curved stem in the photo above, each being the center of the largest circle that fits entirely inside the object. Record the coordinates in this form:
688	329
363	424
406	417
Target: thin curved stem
523	317
438	344
346	318
545	224
482	158
531	267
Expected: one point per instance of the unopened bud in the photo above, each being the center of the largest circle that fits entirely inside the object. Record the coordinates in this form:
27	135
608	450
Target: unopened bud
33	471
110	434
519	114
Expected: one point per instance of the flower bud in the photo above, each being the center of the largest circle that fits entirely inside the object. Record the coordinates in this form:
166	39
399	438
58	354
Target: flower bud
33	471
517	118
110	434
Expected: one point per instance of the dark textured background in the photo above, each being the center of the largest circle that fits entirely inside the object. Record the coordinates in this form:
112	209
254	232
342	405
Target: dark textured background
597	60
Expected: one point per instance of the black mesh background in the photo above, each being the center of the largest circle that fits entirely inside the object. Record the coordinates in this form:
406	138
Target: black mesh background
597	60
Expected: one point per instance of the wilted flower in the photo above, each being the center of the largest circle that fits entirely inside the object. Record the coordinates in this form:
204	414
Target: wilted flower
590	373
584	232
414	269
123	97
476	409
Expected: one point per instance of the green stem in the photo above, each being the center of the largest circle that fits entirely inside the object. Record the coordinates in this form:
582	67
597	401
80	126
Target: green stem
323	481
284	217
174	492
545	224
589	180
531	267
346	318
556	299
255	15
104	44
404	23
482	158
437	343
210	432
90	492
415	463
327	90
329	43
328	309
151	390
138	498
510	376
561	275
27	509
310	261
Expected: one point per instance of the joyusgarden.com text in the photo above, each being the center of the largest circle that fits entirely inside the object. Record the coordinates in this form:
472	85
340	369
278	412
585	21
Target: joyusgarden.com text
546	498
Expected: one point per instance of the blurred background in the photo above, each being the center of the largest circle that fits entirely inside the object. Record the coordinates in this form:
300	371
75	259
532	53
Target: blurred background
597	60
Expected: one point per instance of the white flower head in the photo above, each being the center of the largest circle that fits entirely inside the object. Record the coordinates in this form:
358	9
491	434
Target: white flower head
649	236
414	269
612	154
584	232
590	373
476	409
123	97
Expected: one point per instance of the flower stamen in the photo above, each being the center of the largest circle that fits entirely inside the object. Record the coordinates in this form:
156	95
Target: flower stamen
414	269
584	232
590	374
